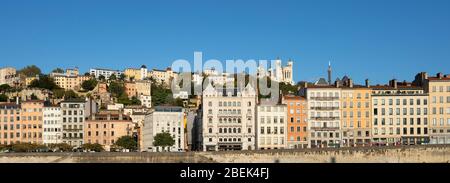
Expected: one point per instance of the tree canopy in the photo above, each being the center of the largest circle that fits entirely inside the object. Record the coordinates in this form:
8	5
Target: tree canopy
30	70
4	87
116	89
163	139
161	95
93	147
89	85
45	82
3	98
58	70
112	77
126	142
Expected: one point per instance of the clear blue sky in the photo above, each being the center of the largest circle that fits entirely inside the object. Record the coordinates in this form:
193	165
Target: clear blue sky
376	39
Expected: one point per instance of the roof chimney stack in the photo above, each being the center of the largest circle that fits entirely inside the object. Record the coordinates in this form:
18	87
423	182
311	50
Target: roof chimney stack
393	83
367	83
439	75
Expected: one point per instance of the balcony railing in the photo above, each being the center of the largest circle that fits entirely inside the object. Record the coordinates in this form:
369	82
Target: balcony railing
72	138
324	128
228	114
72	129
324	98
325	108
325	118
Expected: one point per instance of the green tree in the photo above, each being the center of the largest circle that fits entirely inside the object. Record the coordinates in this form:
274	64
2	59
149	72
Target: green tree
4	87
58	93
163	140
93	147
29	71
58	70
116	89
135	101
33	97
45	82
161	95
126	142
112	77
89	85
123	99
101	78
3	98
70	94
122	77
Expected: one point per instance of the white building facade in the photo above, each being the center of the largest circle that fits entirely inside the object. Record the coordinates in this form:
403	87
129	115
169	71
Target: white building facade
73	115
97	72
324	116
271	125
52	125
228	119
168	119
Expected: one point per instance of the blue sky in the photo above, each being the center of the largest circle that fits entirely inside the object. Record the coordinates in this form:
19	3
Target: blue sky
376	39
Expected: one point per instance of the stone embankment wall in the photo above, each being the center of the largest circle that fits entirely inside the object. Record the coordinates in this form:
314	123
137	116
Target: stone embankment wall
103	157
409	154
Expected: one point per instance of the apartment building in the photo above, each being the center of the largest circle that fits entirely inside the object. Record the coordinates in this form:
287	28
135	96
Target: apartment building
10	123
297	124
228	118
356	114
21	123
438	88
52	125
324	115
271	125
136	73
70	80
73	116
169	119
97	72
164	76
400	114
31	121
8	76
105	127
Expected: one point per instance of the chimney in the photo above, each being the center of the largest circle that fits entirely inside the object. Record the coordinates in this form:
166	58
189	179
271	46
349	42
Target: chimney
350	83
367	83
337	84
17	100
439	75
393	83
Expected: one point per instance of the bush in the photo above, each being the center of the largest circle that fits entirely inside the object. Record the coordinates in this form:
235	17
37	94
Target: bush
93	147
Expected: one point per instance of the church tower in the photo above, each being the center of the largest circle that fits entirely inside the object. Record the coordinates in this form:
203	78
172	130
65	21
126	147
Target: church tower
329	72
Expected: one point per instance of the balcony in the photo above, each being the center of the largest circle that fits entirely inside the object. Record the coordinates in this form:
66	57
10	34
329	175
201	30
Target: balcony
325	108
324	98
72	129
73	138
325	118
324	128
229	115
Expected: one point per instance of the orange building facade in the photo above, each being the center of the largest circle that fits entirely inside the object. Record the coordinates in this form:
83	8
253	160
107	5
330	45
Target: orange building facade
21	123
106	127
297	135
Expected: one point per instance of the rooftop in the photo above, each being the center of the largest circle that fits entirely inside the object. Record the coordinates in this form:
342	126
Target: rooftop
168	109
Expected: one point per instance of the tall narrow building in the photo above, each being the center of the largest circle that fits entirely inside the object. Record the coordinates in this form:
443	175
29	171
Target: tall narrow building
329	73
